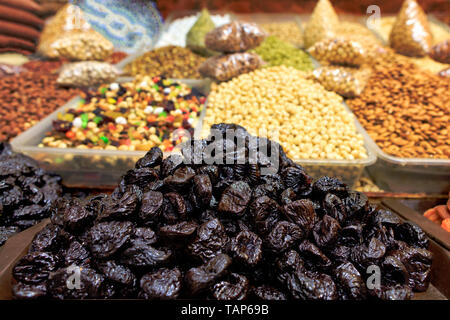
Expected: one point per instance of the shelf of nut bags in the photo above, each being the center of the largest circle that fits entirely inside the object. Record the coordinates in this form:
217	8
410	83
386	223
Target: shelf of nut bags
170	54
92	140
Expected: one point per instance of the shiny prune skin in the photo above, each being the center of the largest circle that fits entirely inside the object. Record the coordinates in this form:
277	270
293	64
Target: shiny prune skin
236	288
140	255
326	231
268	293
235	198
106	238
283	236
307	285
247	247
151	159
325	185
181	231
22	290
35	267
211	240
180	178
203	189
334	207
151	207
123	208
90	283
77	254
301	212
350	281
412	234
162	284
313	257
397	292
201	278
117	273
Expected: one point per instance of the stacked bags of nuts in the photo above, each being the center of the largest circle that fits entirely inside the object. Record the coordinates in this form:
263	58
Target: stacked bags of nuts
322	24
341	71
233	40
69	36
19	26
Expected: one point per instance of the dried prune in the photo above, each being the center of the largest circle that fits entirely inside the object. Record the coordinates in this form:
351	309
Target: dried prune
394	271
351	235
77	254
178	232
313	257
235	198
212	172
203	189
384	218
35	267
144	235
325	185
283	236
199	279
170	164
268	293
151	159
76	217
141	255
124	207
7	232
180	178
247	247
236	288
297	179
302	213
412	235
266	214
356	203
334	207
364	256
350	281
105	238
162	284
117	273
340	253
48	239
151	206
141	177
29	291
287	196
418	264
211	240
326	231
76	283
397	292
307	285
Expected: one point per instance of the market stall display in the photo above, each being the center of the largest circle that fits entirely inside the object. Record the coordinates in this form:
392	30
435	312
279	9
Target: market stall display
286	31
195	38
440	214
251	238
170	61
86	74
276	52
135	115
30	96
27	192
322	23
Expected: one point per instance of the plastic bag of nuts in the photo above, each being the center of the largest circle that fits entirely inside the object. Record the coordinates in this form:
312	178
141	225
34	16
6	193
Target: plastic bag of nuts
348	82
234	37
339	51
441	52
410	35
228	66
86	74
82	46
322	24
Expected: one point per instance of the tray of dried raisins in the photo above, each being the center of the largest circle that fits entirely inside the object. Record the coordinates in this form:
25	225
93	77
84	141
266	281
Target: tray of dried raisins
183	228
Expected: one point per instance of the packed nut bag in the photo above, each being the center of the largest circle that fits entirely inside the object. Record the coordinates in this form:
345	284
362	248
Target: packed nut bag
339	51
441	52
195	38
83	46
410	35
232	39
322	24
86	74
235	37
225	67
347	82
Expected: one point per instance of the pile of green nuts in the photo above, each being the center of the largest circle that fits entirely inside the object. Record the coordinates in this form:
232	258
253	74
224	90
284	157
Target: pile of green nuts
276	52
309	121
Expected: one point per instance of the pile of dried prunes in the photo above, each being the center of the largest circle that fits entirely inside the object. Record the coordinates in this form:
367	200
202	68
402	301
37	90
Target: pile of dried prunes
224	231
27	192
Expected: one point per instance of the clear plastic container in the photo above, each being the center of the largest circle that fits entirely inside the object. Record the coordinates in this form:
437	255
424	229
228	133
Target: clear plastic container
79	167
412	175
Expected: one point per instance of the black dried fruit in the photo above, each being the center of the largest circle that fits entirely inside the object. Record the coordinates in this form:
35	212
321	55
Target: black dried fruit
283	236
236	288
247	247
170	164
350	281
302	213
123	208
162	284
307	285
106	238
334	207
268	293
35	267
326	185
313	257
326	231
199	279
118	273
151	159
235	198
181	231
397	292
180	178
29	291
151	207
211	240
76	283
296	179
78	255
140	255
412	235
203	189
